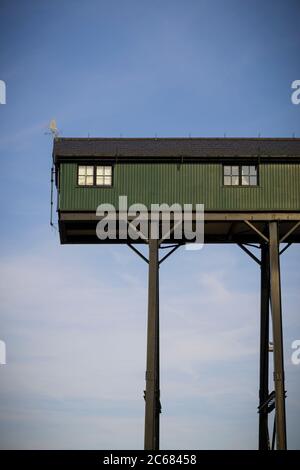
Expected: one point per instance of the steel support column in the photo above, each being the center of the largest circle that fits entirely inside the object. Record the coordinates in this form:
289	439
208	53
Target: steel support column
263	442
275	295
152	398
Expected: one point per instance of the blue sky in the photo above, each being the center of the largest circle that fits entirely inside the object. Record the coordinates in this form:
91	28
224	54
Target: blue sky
74	317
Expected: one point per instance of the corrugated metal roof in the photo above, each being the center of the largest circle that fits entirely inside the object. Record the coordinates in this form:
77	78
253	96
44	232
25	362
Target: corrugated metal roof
175	147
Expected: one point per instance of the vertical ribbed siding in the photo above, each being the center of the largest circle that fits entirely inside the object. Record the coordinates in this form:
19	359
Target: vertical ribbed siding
279	187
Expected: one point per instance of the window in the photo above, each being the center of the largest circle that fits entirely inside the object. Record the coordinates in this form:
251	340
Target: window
240	175
231	175
91	175
85	175
249	175
103	175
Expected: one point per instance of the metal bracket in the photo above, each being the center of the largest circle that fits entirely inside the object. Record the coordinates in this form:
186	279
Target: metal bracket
174	248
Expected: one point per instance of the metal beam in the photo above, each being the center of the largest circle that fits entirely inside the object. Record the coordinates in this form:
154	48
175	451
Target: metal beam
249	253
166	247
230	231
170	252
138	252
263	439
171	231
208	216
256	230
290	232
275	293
152	394
285	248
253	246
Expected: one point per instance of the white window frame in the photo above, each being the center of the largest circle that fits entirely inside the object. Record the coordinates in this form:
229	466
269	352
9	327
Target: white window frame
103	175
85	175
95	175
240	175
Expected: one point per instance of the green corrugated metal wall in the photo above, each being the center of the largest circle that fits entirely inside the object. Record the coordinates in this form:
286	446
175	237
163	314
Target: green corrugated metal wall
279	187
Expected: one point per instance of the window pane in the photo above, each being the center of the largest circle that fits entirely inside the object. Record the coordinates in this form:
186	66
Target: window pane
253	180
100	180
253	170
107	170
100	170
245	180
89	180
227	180
245	170
107	180
81	180
227	170
235	180
81	170
90	170
234	170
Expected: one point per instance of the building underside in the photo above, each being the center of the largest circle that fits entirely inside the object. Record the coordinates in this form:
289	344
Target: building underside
219	227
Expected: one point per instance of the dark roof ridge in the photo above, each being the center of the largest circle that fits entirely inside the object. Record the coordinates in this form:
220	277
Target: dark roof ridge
259	139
